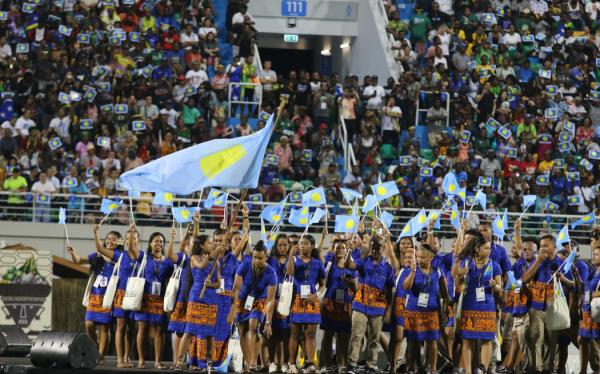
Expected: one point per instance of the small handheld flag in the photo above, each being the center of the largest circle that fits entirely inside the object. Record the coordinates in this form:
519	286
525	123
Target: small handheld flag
551	206
588	219
315	197
108	206
85	124
387	219
407	231
103	141
70	182
545	138
385	190
272	159
296	197
594	154
465	136
163	198
450	184
349	195
62	216
485	181
455	217
307	155
55	143
504	132
426	172
500	225
346	223
405	160
121	109
563	236
574	200
182	215
370	204
138	125
542	180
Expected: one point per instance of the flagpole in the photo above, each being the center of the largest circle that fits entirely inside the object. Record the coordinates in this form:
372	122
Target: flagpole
131	209
103	219
67	234
216	261
525	210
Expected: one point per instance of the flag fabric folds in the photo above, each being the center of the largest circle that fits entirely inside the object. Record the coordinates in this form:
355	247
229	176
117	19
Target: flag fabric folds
228	163
589	218
346	223
108	206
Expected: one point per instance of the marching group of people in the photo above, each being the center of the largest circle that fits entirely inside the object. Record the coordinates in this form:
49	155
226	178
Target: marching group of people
477	308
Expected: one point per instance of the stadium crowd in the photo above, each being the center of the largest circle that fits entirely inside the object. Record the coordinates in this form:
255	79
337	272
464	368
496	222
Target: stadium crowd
92	89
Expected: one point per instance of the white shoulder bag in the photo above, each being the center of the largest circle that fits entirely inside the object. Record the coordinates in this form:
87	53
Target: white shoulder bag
111	288
134	292
173	288
88	290
285	296
557	312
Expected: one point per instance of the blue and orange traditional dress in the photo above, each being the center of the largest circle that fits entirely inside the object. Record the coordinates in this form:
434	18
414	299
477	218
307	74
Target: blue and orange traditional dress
177	322
229	264
421	317
478	317
306	276
373	281
125	271
589	329
400	297
157	273
520	299
95	312
252	298
542	290
201	316
337	302
279	321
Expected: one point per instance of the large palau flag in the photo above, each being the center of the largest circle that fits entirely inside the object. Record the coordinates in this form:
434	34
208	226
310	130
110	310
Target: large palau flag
228	163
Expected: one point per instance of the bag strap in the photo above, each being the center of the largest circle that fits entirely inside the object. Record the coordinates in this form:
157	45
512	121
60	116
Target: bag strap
398	277
117	266
142	266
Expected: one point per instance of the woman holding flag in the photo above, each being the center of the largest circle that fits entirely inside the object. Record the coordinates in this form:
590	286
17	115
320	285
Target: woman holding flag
101	268
308	272
482	279
182	259
124	328
425	288
279	341
157	272
201	314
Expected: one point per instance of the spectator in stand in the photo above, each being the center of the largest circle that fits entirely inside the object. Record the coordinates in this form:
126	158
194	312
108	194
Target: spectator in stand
17	185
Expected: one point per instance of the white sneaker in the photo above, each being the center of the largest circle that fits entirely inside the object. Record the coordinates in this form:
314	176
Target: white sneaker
273	368
292	369
284	368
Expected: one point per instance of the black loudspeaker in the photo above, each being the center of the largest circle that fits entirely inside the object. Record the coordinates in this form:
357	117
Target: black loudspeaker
13	341
64	349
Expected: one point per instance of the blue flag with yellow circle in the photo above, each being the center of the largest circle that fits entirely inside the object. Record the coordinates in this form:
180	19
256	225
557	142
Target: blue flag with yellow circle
228	163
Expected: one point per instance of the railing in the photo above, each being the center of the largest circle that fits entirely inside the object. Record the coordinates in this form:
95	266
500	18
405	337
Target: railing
343	137
85	209
389	40
420	111
236	97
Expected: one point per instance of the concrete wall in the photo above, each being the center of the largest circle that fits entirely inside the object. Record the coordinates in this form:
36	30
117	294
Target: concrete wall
327	25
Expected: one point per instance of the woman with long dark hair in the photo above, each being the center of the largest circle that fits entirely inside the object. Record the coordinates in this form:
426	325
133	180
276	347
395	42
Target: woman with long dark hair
151	315
101	267
482	279
305	314
278	343
254	294
201	314
124	318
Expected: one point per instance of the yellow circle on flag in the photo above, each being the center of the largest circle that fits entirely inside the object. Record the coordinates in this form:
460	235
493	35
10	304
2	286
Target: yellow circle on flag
422	219
434	216
303	220
276	217
561	236
454	214
349	223
406	228
185	214
316	197
168	197
452	187
585	218
304	211
500	224
215	194
381	191
112	206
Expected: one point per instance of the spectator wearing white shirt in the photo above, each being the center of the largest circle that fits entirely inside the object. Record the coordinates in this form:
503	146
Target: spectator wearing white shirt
170	113
240	18
353	180
268	77
196	76
538	7
206	28
374	94
11	126
61	125
43	187
24	123
149	111
586	196
189	38
512	37
5	50
390	122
